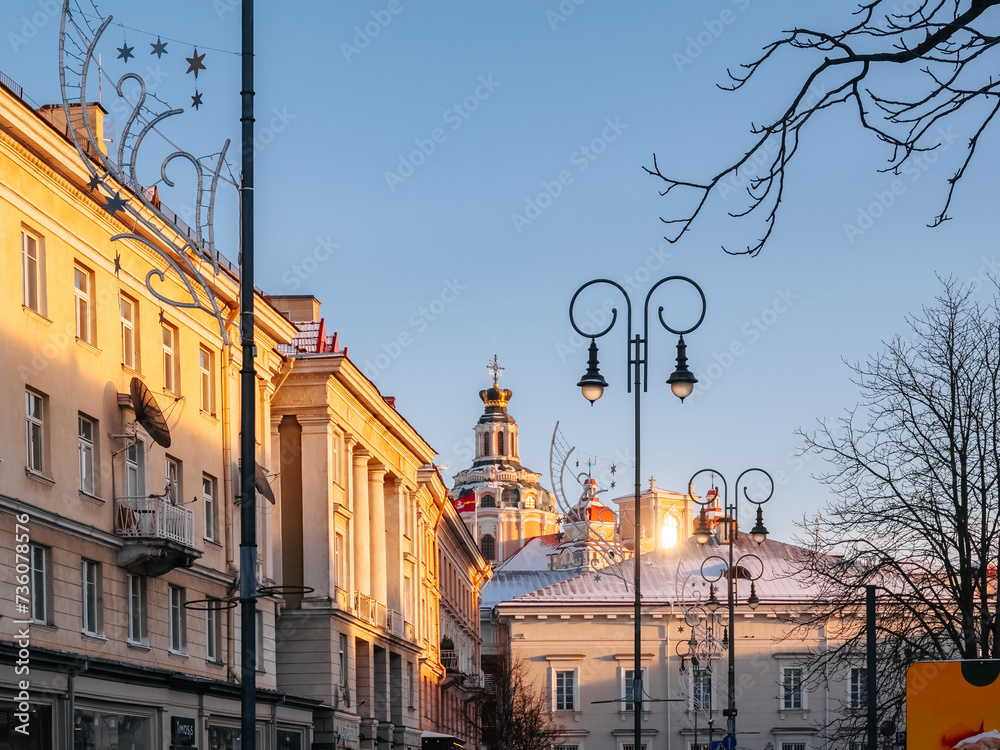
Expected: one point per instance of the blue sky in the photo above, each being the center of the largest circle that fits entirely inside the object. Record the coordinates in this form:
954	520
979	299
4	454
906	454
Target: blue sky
403	147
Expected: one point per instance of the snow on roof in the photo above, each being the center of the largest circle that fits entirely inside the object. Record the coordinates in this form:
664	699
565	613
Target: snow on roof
533	555
509	584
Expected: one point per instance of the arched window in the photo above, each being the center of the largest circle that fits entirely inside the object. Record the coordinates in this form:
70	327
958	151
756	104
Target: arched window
500	450
486	443
487	501
488	546
670	533
529	502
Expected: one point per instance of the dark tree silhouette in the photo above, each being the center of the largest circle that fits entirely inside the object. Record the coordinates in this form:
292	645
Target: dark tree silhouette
944	45
515	712
916	471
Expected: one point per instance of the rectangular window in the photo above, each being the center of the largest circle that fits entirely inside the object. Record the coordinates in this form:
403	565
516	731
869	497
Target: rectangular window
791	688
130	332
87	429
173	477
171	364
858	687
39	583
206	363
339	574
628	692
208	503
259	651
178	621
135	470
83	281
793	746
565	690
91	574
701	689
136	609
32	268
343	660
630	745
213	630
34	412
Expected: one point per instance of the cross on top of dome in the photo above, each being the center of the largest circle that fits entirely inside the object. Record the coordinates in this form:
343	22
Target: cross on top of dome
496	370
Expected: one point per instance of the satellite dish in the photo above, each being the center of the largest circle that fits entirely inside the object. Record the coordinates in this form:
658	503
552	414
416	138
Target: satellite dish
148	414
260	479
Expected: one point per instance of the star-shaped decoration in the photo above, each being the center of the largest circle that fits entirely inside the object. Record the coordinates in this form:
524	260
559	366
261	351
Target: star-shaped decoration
613	468
196	101
125	52
115	203
118	263
94	182
159	48
162	321
195	63
578	464
612	484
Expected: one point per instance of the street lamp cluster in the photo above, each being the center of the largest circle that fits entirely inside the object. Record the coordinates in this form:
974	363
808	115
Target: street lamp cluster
681	382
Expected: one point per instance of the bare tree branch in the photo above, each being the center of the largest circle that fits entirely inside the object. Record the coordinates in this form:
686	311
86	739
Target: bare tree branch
942	40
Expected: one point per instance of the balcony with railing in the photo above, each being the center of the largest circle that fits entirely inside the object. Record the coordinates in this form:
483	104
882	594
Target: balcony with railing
158	535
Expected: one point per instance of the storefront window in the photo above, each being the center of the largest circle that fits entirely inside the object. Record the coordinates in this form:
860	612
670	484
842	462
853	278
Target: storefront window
35	735
228	738
97	730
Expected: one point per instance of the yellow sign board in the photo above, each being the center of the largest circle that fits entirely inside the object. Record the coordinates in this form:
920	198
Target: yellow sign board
953	705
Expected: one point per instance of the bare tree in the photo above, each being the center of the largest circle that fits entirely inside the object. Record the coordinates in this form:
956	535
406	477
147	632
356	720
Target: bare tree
517	716
915	468
943	44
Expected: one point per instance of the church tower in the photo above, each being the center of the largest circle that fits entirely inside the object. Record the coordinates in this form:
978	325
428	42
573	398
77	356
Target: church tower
501	502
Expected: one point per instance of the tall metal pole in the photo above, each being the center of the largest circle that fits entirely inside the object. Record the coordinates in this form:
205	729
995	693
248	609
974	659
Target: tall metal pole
870	676
637	673
248	377
731	599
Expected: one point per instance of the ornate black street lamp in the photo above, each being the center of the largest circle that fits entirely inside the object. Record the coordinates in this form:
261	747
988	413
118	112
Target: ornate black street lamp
731	569
592	384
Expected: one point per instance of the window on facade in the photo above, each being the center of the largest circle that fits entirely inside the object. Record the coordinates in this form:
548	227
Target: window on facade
206	364
87	430
565	747
630	745
135	470
213	630
699	746
500	444
130	332
529	502
670	534
91	597
629	693
178	620
33	286
83	280
487	439
343	660
565	690
173	477
791	687
136	609
34	412
208	486
40	583
99	730
488	547
701	689
488	501
858	687
339	573
793	746
259	650
171	363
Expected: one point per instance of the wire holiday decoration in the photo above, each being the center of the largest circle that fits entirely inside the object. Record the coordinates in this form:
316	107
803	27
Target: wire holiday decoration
560	452
185	250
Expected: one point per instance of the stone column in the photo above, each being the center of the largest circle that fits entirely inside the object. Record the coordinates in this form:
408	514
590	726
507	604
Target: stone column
317	521
362	524
395	523
376	499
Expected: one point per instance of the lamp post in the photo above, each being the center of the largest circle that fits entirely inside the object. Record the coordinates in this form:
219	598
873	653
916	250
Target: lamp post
732	569
592	384
701	649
